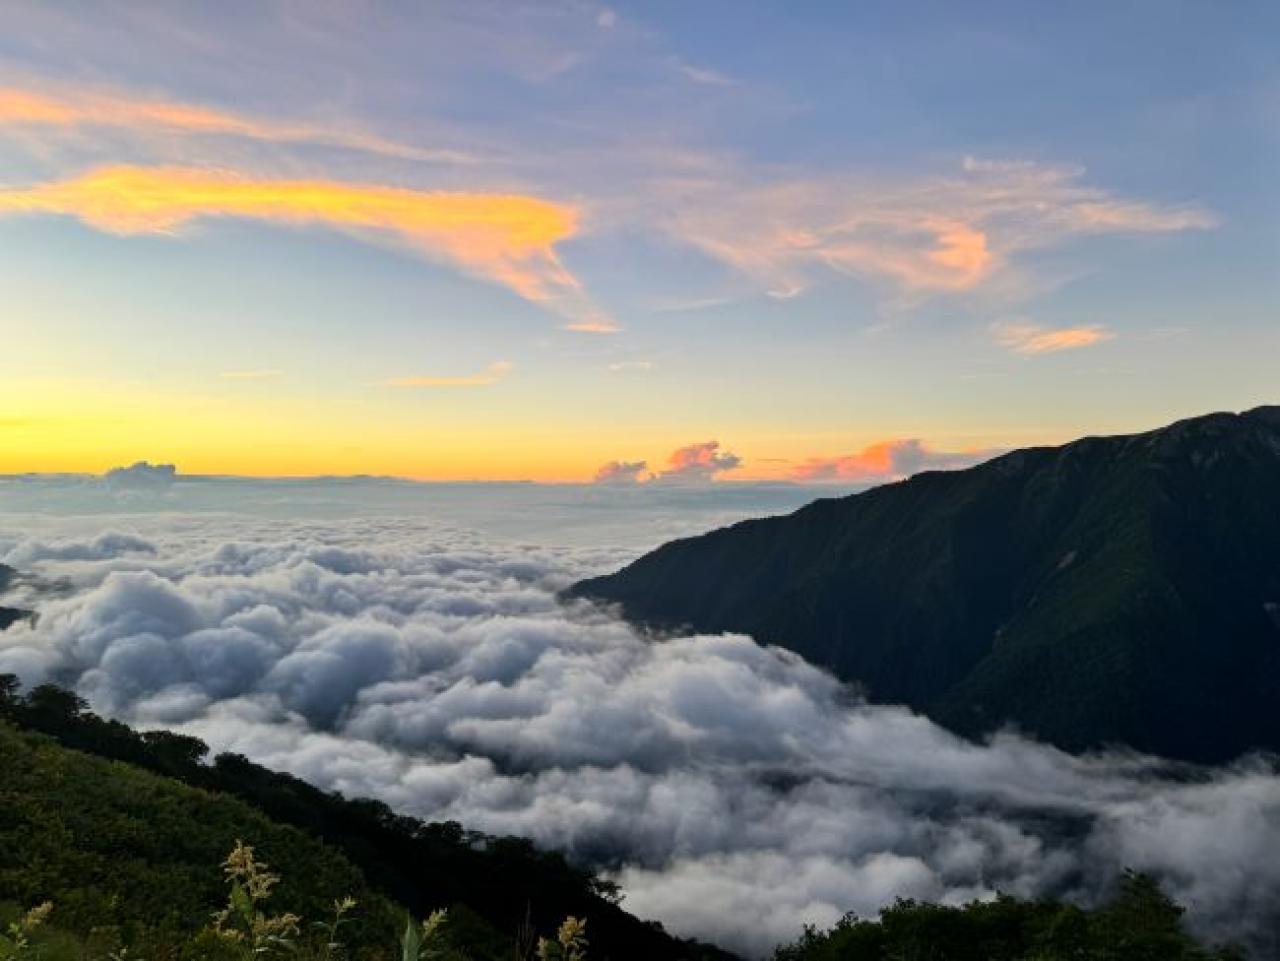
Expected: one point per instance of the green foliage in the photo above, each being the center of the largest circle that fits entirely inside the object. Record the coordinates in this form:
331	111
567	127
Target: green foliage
15	942
570	943
243	922
119	849
243	931
1139	923
112	844
428	941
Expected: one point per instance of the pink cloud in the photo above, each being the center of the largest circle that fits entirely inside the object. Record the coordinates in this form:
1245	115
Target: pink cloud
951	232
1033	339
884	461
699	462
694	464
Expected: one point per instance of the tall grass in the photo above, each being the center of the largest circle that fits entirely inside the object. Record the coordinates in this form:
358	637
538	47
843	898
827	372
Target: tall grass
245	929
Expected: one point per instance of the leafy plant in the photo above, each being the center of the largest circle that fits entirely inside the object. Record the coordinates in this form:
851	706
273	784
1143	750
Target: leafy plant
15	943
426	941
570	943
333	948
243	920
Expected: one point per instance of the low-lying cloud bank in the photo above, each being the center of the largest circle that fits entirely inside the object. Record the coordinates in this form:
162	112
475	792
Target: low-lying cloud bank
735	791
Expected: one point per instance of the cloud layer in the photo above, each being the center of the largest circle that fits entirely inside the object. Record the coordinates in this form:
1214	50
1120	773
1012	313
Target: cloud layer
736	791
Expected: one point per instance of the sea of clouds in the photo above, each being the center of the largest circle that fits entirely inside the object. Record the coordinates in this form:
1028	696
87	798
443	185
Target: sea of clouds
420	655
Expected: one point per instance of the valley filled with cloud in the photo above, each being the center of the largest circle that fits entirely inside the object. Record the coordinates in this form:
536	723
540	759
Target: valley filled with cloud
418	653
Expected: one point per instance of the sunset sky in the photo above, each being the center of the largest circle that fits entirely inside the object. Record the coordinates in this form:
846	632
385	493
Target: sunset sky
690	241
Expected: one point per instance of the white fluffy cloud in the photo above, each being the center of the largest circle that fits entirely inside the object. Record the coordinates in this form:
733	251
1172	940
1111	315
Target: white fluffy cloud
742	791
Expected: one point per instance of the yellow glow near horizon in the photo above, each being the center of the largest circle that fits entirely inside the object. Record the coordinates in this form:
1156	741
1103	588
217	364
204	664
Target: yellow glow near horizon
64	426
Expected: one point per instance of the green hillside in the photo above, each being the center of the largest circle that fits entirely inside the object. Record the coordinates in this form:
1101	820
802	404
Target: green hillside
124	833
131	858
1116	589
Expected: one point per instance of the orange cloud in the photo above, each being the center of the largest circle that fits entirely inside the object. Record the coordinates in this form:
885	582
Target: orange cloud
1032	339
699	462
506	238
884	461
694	464
33	108
490	375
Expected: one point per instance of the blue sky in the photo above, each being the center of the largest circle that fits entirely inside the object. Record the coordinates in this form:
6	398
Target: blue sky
523	240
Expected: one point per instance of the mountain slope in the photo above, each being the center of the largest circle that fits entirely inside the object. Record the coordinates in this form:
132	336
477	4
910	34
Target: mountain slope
119	849
1115	589
122	829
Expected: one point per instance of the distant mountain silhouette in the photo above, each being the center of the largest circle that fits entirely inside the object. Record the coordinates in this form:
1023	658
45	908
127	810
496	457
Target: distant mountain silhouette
1115	590
9	615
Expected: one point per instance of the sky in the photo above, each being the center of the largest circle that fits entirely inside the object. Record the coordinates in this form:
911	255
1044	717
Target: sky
632	243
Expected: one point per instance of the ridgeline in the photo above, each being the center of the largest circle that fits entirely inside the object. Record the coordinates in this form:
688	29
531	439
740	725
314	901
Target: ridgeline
1115	590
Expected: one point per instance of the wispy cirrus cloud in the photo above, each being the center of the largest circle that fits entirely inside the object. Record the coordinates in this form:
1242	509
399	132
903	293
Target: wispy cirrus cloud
508	239
886	460
624	365
1028	338
490	375
943	233
705	75
30	107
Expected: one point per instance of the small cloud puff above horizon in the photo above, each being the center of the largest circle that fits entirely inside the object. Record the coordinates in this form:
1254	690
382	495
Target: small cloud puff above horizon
695	464
621	472
141	476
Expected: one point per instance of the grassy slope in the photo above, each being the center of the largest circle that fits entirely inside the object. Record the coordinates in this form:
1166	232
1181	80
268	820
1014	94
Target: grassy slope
117	847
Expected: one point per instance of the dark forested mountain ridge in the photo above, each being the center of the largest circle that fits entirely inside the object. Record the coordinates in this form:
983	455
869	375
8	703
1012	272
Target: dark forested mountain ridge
1112	590
8	615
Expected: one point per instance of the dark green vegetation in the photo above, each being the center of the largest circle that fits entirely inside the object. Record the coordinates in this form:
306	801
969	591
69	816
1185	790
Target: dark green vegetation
1138	924
132	848
1116	589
